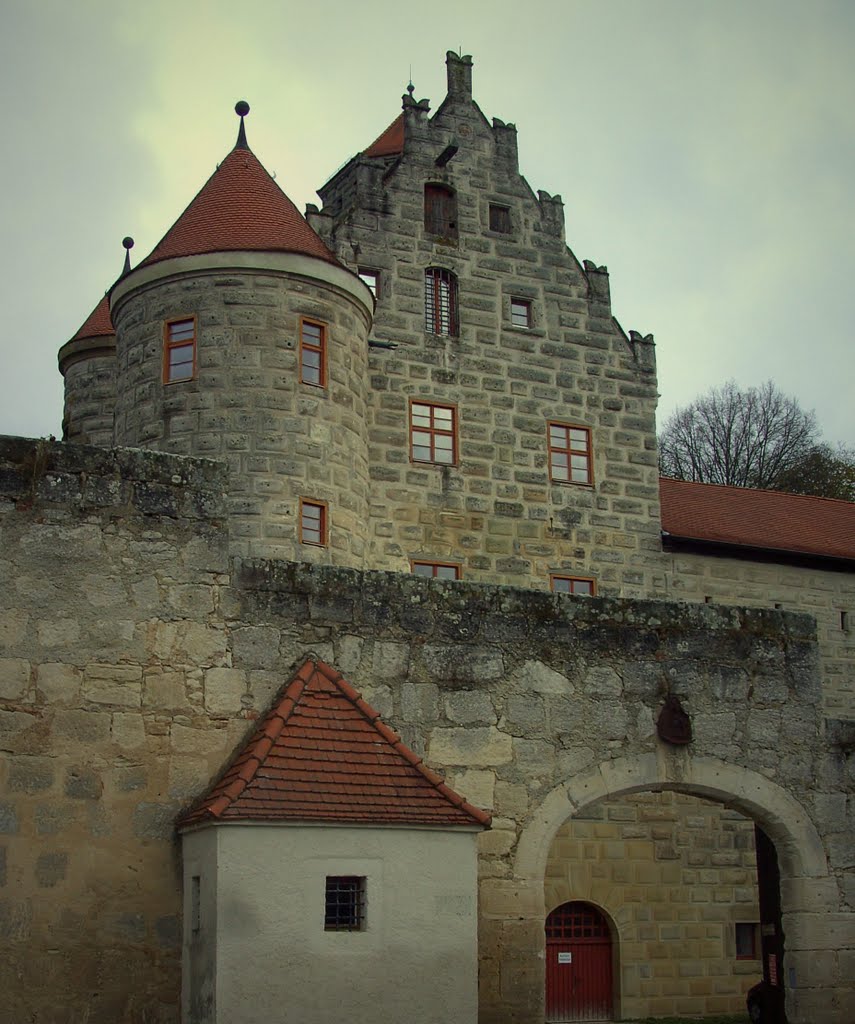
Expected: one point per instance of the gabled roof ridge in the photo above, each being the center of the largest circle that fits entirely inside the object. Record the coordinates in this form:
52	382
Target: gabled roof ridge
754	490
327	767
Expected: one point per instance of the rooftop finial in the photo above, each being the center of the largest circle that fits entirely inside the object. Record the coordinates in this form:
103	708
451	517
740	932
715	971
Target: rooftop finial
128	244
241	109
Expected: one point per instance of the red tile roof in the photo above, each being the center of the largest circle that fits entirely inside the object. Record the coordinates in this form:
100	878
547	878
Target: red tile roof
240	207
390	142
770	520
322	754
98	324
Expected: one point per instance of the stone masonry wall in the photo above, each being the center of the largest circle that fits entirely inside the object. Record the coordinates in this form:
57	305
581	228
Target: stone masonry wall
135	655
495	512
281	439
674	874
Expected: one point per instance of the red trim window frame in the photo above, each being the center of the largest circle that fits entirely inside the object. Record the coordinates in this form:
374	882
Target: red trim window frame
582	586
521	313
313	522
435	570
441	302
313	352
371	279
179	350
433	433
570	456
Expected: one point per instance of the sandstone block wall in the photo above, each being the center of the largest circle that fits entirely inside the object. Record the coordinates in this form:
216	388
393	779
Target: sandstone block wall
674	874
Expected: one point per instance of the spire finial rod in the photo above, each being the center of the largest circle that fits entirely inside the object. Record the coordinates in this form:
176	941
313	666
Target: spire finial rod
128	244
241	109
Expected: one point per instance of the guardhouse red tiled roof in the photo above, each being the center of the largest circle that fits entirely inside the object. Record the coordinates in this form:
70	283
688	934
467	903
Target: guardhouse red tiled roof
98	324
768	520
240	207
322	754
390	142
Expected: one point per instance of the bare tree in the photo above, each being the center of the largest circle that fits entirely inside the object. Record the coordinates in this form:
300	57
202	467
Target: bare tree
826	471
745	438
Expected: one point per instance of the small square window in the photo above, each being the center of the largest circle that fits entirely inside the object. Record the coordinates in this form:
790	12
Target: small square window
433	433
313	522
579	585
313	352
746	941
520	313
344	909
569	454
372	279
437	570
179	350
500	218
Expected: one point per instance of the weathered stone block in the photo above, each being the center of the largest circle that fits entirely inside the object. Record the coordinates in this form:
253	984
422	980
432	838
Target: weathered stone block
14	678
113	684
475	747
83	784
224	690
30	774
58	683
50	869
466	707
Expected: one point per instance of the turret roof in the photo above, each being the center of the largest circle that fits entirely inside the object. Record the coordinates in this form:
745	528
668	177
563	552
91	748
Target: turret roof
240	207
322	754
98	324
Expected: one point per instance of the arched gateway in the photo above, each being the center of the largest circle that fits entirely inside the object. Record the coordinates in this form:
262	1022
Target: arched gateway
806	887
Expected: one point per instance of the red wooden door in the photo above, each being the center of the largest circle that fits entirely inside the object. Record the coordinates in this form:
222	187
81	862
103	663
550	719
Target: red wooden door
578	964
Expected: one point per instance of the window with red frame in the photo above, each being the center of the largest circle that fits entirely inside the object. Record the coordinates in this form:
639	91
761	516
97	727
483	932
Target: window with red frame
569	454
313	522
436	570
179	350
440	302
441	212
313	352
580	585
433	433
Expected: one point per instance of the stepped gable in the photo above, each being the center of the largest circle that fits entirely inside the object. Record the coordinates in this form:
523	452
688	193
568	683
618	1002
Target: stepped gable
98	324
390	142
769	520
322	754
240	208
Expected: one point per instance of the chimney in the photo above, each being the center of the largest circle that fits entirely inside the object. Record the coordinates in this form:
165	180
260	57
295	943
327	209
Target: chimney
459	70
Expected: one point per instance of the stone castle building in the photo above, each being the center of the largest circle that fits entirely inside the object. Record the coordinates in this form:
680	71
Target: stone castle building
395	462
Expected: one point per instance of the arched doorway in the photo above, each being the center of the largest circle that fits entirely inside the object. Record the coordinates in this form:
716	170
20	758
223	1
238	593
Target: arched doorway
578	964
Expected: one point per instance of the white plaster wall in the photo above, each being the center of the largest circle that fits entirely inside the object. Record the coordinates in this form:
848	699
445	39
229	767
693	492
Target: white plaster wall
416	961
199	947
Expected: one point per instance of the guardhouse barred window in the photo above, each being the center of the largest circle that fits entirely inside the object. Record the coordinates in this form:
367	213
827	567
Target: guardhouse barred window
440	302
344	905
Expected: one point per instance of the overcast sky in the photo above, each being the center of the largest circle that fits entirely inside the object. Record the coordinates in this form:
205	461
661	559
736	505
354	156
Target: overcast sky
705	152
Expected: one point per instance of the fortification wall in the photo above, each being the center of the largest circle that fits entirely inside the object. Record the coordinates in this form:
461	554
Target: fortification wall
135	656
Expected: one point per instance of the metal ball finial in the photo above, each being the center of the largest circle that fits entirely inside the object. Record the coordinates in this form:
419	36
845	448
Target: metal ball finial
128	242
241	108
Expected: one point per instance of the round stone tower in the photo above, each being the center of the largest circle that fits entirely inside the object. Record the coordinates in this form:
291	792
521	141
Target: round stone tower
242	338
88	366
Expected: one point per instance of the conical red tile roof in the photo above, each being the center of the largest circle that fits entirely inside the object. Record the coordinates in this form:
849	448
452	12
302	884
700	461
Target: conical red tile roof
240	207
98	324
390	142
322	754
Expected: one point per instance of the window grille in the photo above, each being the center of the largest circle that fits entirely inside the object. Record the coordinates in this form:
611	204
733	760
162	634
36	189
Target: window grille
344	909
440	302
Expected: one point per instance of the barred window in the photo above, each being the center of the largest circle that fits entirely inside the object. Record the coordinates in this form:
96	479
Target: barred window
440	302
344	909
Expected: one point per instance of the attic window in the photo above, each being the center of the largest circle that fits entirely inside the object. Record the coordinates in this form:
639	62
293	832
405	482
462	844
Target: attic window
500	219
441	212
344	909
